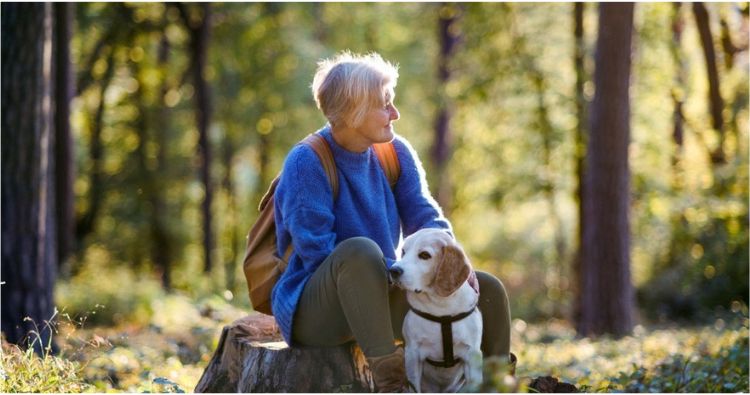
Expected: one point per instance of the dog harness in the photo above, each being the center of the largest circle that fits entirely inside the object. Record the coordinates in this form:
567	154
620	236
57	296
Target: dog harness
446	327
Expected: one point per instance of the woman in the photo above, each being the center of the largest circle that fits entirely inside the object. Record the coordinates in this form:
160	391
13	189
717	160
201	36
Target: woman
335	288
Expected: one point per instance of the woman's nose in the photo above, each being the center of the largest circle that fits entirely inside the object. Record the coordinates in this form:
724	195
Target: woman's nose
394	114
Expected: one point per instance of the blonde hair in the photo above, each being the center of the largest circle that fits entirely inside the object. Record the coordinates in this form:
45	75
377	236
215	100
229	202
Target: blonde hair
348	85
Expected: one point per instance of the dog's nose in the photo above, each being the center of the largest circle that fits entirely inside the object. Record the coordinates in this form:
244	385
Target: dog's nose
395	272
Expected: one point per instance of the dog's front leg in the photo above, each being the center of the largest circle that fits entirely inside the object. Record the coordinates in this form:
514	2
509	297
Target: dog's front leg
473	371
414	367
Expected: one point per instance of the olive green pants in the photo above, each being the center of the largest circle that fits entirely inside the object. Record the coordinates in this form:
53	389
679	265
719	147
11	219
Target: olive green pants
349	298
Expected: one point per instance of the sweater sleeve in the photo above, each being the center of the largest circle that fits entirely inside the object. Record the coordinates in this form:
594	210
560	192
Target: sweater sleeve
306	202
416	206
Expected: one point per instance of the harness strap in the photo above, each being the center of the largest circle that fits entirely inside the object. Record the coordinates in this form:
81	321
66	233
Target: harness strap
446	329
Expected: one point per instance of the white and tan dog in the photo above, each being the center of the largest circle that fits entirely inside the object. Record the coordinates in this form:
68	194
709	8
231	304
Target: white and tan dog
443	328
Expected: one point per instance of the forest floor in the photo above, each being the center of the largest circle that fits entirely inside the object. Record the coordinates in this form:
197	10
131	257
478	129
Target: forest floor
170	352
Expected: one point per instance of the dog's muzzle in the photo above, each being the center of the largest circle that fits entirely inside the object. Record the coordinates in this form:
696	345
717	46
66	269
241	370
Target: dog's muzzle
394	273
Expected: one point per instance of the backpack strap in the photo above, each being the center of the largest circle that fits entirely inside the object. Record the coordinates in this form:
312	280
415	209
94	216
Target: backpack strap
388	158
385	152
319	144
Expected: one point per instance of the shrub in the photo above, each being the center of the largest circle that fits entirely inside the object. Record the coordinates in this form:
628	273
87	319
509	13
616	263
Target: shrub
105	294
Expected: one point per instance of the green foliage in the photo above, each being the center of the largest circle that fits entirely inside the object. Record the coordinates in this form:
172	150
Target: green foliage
25	371
513	123
726	371
512	173
166	355
169	355
106	294
675	359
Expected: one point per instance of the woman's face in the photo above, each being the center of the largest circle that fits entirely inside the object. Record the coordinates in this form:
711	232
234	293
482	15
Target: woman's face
377	126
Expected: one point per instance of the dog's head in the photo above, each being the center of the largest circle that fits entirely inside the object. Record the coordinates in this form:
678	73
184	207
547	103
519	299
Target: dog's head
431	262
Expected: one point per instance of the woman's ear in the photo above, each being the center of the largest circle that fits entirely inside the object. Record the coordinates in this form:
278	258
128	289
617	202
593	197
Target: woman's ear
452	271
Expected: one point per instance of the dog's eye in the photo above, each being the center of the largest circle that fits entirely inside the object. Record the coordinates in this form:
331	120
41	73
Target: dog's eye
403	252
424	255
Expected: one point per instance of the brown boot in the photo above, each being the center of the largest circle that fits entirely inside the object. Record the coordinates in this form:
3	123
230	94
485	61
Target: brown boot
389	372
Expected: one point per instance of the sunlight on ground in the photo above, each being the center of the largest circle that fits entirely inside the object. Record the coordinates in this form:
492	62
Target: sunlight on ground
552	349
170	353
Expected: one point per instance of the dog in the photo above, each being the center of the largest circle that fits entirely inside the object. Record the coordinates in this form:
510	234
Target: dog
443	328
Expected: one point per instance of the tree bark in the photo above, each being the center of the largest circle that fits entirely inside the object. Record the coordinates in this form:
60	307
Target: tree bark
162	250
727	45
29	253
449	37
607	293
65	168
230	260
251	357
580	149
199	35
678	93
716	103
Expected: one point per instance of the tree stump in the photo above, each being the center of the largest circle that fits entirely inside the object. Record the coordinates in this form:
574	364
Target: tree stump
252	357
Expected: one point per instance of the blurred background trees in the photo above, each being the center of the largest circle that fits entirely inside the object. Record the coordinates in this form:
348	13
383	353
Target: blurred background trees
180	115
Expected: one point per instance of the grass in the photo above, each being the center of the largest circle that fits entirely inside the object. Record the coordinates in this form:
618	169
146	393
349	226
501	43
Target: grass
169	352
672	359
24	371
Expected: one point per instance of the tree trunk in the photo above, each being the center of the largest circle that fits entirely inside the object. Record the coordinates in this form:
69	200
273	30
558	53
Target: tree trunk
162	249
251	357
65	168
199	34
230	260
679	223
29	229
580	149
727	45
607	293
678	94
202	97
150	125
716	103
441	150
86	223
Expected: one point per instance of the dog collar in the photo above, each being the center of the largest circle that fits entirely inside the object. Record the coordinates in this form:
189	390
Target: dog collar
446	328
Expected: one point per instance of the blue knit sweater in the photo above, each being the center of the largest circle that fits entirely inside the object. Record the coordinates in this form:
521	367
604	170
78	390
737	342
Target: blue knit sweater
307	216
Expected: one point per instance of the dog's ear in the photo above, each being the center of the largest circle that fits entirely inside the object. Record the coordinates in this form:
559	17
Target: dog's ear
452	271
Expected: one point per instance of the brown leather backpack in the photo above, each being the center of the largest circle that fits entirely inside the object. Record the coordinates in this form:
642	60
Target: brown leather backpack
262	265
